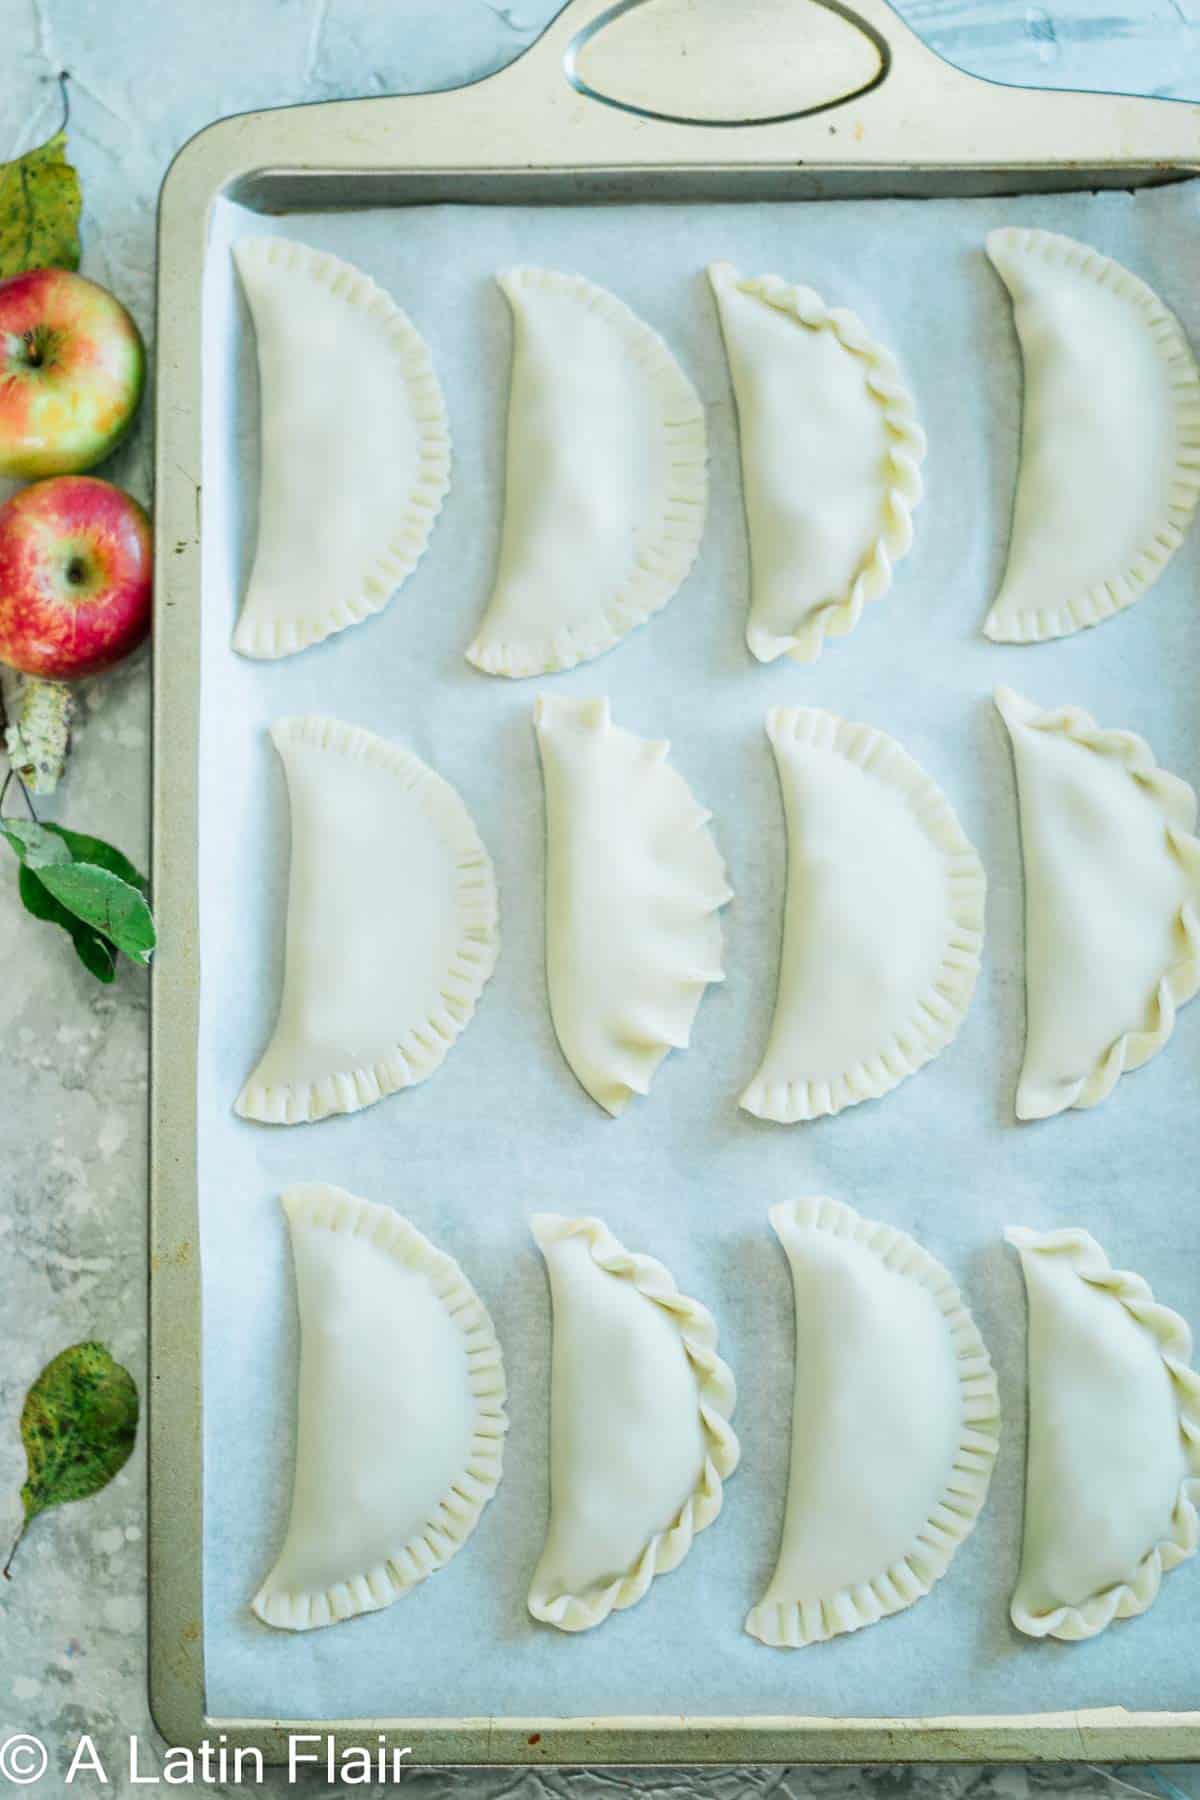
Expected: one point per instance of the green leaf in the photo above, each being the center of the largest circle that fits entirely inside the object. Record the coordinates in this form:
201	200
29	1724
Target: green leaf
87	888
94	952
39	210
95	850
78	1425
101	899
35	844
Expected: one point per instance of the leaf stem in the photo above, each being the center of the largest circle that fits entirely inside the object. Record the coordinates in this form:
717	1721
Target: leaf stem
7	1569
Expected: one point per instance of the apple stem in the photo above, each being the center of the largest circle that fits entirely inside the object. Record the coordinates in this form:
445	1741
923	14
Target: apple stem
38	742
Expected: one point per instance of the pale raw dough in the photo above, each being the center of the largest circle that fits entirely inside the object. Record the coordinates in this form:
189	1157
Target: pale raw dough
1110	439
895	1427
633	886
391	926
883	925
1112	892
831	455
355	446
1114	1440
640	1439
606	483
401	1420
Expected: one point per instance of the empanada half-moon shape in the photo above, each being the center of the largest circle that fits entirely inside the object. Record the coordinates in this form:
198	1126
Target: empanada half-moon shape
401	1422
831	454
640	1438
392	925
1110	439
606	484
883	923
895	1427
1112	903
1114	1440
633	886
355	458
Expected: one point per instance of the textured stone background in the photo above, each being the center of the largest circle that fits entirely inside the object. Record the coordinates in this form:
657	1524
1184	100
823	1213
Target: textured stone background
146	74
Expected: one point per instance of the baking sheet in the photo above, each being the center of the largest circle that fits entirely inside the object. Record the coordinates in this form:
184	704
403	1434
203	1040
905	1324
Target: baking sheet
503	1129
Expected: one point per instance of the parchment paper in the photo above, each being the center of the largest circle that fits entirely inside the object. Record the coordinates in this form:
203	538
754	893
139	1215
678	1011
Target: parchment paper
503	1129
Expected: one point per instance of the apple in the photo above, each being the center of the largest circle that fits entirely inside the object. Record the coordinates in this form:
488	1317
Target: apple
75	577
72	369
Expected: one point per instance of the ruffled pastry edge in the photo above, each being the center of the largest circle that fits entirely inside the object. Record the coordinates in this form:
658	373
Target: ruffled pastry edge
717	1393
794	1624
1176	800
389	565
458	1511
904	486
1174	1339
941	1011
646	1044
1117	591
414	1057
670	542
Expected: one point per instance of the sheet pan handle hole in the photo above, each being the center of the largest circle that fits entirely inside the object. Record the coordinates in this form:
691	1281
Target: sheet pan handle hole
710	62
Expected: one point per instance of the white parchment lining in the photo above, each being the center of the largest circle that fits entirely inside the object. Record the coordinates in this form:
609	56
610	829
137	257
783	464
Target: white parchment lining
503	1129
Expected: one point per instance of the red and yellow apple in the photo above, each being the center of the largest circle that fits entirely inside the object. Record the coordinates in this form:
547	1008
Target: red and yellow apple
75	577
72	369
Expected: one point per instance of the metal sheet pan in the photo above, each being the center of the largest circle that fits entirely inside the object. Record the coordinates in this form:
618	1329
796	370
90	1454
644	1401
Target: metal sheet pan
530	135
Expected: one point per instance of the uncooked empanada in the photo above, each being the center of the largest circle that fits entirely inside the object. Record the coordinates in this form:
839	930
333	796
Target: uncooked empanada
401	1423
1110	439
355	446
883	924
1112	892
606	483
1114	1440
895	1427
831	455
640	1439
633	886
391	925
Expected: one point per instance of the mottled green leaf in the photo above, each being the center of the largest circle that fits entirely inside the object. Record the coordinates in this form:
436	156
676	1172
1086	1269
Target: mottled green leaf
105	856
39	210
94	952
88	888
35	844
102	900
78	1425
